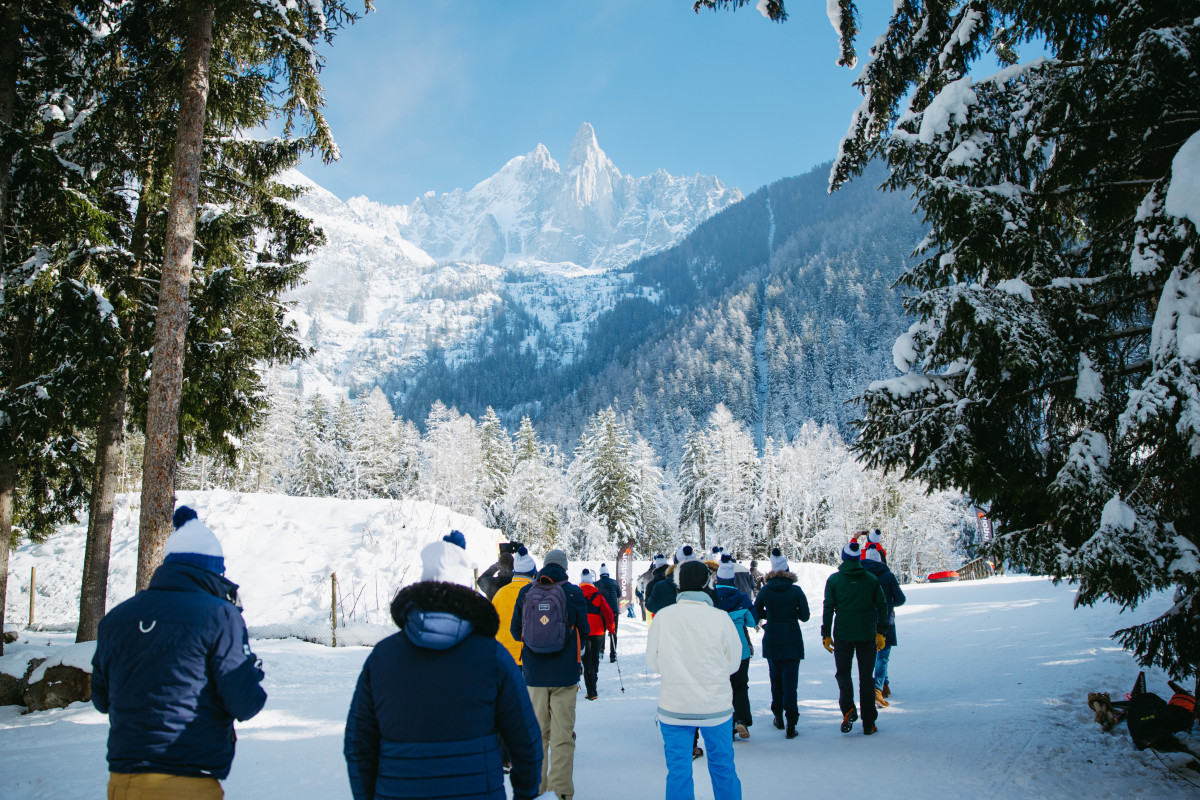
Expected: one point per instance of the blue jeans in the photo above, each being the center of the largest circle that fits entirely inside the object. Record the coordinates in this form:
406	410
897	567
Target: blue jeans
677	746
881	665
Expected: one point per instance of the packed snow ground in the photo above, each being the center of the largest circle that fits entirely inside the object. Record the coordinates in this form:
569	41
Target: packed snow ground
990	683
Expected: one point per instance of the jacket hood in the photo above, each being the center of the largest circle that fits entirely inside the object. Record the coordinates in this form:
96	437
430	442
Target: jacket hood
179	576
437	615
852	568
875	567
783	575
730	598
554	572
694	597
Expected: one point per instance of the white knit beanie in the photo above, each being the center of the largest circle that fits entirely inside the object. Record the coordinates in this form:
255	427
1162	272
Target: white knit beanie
778	562
586	576
659	561
686	553
445	561
523	563
725	568
871	554
874	536
851	552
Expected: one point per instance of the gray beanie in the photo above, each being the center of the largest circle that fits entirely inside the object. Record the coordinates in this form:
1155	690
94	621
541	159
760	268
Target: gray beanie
556	557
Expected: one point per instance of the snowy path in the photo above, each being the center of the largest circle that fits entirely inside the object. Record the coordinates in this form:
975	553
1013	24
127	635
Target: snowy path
990	683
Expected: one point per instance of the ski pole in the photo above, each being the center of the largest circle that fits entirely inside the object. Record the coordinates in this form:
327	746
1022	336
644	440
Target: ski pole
619	676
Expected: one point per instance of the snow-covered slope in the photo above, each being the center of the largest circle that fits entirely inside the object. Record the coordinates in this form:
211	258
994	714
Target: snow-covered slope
280	550
392	281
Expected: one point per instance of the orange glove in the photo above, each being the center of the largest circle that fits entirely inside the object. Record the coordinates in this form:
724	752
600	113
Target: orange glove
880	641
828	642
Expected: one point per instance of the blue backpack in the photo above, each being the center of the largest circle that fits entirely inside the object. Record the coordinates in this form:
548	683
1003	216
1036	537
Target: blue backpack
544	617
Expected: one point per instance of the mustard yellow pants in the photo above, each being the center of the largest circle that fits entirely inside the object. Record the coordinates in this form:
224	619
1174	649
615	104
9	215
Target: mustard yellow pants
157	786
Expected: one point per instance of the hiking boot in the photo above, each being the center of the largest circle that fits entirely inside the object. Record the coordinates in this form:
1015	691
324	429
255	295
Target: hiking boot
848	720
778	723
612	659
887	690
592	696
741	730
697	752
869	728
791	732
879	701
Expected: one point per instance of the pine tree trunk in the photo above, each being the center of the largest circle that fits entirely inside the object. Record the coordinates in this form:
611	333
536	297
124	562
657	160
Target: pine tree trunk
171	320
703	546
93	592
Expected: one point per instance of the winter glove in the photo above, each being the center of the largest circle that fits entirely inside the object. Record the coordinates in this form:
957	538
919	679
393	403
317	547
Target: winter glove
828	642
880	641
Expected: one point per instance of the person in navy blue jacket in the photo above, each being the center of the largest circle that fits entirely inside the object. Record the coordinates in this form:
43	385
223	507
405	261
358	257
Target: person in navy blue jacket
434	701
782	606
173	670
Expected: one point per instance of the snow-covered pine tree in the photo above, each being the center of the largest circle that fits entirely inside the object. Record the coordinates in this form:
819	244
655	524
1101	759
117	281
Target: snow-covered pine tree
314	473
450	456
654	523
54	316
1050	374
377	447
606	478
262	38
696	484
733	466
496	464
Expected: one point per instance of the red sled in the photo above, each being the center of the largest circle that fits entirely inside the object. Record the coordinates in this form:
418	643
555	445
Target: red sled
942	577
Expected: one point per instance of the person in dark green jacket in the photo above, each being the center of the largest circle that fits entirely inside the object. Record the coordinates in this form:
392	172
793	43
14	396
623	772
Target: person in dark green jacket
853	626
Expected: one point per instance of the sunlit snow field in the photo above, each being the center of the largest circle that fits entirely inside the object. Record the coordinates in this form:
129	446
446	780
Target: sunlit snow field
990	681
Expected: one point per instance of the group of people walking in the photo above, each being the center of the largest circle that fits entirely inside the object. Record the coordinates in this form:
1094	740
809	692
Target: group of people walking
476	685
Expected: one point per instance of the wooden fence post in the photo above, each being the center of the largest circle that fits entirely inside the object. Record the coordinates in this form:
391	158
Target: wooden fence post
333	607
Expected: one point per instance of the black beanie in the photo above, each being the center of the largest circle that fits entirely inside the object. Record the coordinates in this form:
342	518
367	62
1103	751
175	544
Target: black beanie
693	576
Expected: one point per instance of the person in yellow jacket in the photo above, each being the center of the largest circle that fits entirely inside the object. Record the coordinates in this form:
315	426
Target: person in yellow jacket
505	600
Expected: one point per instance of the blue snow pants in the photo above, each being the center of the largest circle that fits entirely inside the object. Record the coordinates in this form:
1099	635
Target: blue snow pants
677	745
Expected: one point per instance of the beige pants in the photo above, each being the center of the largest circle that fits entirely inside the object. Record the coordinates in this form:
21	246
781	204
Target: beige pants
157	786
555	710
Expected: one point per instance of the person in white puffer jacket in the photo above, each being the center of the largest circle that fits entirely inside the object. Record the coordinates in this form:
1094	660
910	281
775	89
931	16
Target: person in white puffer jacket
695	647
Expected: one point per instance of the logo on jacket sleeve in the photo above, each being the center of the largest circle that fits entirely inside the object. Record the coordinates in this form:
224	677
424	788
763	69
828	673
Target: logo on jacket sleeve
142	625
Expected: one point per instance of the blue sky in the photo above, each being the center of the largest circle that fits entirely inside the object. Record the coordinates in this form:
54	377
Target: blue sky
436	95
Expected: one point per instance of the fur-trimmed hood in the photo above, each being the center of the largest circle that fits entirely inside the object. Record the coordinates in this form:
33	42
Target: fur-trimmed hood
787	575
437	615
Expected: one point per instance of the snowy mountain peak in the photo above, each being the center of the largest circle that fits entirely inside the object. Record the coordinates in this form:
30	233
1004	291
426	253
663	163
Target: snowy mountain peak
393	279
593	176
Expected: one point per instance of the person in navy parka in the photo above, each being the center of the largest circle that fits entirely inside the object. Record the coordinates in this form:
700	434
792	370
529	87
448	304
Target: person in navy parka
434	700
172	670
782	606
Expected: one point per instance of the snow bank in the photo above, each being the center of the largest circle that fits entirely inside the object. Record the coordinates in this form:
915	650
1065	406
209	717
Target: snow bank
280	550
